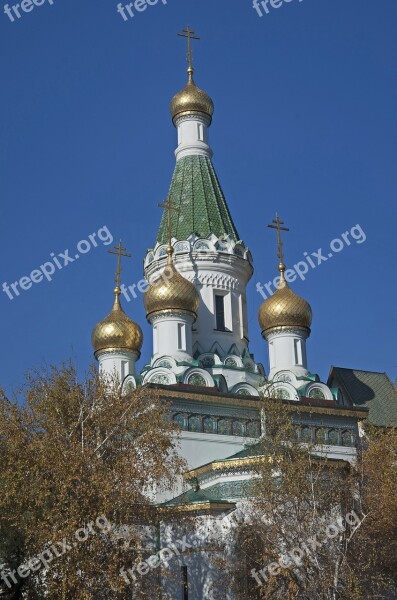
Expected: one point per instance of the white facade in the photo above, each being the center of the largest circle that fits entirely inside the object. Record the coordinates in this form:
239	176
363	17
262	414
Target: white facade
287	351
172	335
193	136
118	362
220	271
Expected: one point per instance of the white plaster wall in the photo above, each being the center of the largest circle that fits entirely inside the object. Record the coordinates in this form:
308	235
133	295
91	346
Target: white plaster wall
122	363
213	272
282	352
201	448
166	336
204	567
193	136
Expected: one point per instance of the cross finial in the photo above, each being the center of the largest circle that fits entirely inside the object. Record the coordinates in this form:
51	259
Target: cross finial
190	35
119	251
169	205
276	224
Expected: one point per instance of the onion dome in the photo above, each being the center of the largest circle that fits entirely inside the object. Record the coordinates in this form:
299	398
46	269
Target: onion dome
191	100
171	292
117	332
284	308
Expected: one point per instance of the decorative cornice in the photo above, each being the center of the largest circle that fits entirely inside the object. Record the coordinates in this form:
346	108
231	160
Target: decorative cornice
225	465
165	314
246	463
115	351
274	331
200	506
221	398
192	115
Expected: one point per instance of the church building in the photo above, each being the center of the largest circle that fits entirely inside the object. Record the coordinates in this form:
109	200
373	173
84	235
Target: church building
198	269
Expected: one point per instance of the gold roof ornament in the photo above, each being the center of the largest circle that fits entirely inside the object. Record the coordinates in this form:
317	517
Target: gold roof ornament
284	308
117	332
171	292
191	100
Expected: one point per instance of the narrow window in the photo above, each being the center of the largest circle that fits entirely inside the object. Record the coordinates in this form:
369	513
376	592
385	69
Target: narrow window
271	354
220	312
124	369
298	352
185	587
200	132
155	340
181	336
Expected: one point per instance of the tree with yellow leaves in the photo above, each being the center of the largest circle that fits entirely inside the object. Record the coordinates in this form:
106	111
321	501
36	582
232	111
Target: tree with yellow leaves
80	466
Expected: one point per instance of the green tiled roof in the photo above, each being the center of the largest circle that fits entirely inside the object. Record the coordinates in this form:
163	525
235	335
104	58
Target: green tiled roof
251	451
196	191
220	492
372	390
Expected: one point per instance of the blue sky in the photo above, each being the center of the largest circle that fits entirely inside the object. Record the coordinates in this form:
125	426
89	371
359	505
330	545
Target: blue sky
305	125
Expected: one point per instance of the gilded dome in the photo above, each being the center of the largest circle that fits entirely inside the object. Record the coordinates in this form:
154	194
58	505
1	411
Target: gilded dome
191	100
171	293
284	308
117	331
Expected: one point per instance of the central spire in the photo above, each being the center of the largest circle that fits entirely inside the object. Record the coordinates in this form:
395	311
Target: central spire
207	250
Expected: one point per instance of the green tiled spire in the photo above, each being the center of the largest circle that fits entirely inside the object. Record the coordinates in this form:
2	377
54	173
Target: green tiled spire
196	191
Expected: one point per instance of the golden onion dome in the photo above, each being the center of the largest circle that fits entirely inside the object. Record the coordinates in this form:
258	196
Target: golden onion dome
117	331
284	308
171	292
191	100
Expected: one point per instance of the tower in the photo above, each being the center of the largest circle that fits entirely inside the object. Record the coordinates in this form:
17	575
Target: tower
171	304
117	340
208	252
285	320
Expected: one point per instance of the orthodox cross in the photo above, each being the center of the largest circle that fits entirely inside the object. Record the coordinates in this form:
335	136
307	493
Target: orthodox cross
190	35
119	251
169	206
276	224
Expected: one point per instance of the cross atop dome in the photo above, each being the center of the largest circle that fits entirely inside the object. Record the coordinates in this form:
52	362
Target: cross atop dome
189	35
276	224
120	251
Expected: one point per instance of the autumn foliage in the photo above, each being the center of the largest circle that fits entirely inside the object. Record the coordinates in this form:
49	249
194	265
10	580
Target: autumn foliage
80	463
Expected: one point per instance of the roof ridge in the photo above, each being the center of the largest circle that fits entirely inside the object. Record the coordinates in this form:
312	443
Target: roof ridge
361	370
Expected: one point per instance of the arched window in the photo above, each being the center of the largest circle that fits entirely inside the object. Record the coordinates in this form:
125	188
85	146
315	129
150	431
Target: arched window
306	434
238	428
164	363
181	247
181	421
282	394
195	424
244	392
347	438
197	379
160	378
201	246
231	362
210	425
253	429
333	437
317	393
208	361
320	436
224	427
